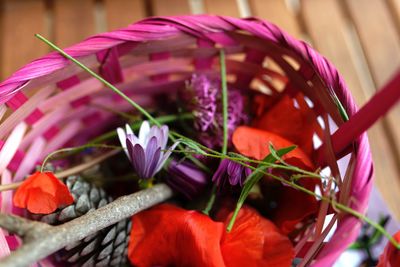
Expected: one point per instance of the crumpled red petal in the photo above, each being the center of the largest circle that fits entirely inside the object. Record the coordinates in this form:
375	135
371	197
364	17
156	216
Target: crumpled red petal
42	193
255	241
295	123
254	143
170	236
391	255
291	207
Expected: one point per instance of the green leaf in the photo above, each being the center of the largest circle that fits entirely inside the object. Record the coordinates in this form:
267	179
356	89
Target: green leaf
340	107
255	177
277	154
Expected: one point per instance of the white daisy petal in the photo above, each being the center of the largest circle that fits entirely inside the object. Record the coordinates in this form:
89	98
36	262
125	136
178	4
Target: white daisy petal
164	136
122	139
128	130
143	132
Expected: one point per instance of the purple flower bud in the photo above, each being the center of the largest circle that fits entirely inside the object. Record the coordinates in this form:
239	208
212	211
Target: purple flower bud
186	178
203	96
146	152
235	172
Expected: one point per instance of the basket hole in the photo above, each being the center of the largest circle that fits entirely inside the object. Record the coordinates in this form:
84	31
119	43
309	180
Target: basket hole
317	142
236	57
310	104
231	78
321	122
328	219
332	125
260	86
292	62
277	84
272	65
343	164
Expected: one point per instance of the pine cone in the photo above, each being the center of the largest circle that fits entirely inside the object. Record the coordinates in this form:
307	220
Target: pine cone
107	247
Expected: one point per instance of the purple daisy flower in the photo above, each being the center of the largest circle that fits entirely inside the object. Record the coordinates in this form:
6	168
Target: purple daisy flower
146	152
186	178
235	172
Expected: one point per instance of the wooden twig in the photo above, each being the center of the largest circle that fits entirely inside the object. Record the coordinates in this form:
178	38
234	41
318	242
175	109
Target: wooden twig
41	240
71	171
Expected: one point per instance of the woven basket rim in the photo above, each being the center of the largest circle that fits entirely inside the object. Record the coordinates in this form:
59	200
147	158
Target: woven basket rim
208	27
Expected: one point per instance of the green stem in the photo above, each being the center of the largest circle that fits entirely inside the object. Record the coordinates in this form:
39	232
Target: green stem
339	206
224	101
234	216
224	87
98	77
74	150
117	91
154	121
211	201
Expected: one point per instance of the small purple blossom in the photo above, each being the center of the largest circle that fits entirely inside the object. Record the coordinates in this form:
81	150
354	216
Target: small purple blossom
186	178
147	151
204	97
235	172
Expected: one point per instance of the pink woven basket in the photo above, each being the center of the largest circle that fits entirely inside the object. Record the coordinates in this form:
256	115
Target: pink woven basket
49	102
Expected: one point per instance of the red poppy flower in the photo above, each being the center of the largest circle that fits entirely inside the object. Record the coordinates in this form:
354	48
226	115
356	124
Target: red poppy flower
42	193
295	123
170	236
391	255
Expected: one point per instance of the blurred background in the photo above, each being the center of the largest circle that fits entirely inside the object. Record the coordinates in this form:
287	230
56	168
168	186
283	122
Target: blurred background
360	37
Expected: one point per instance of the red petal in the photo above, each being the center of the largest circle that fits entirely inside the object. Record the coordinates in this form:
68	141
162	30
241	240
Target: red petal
254	143
169	236
21	194
391	255
293	207
297	124
255	241
40	202
42	193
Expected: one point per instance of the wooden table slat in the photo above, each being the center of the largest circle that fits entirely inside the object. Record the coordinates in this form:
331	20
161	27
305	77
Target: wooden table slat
19	21
73	21
378	35
330	37
170	8
121	13
277	12
222	7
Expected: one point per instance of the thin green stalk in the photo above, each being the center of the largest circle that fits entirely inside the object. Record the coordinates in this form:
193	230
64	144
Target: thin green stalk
224	150
117	91
74	150
210	202
98	77
224	101
246	159
121	114
154	121
339	206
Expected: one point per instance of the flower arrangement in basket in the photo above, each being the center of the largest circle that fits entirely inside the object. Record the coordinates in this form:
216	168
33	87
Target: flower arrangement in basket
248	136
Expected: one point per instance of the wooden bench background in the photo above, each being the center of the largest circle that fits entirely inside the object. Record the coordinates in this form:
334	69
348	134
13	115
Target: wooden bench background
361	37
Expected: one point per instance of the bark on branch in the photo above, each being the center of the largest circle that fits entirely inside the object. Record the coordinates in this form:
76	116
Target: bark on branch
41	240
